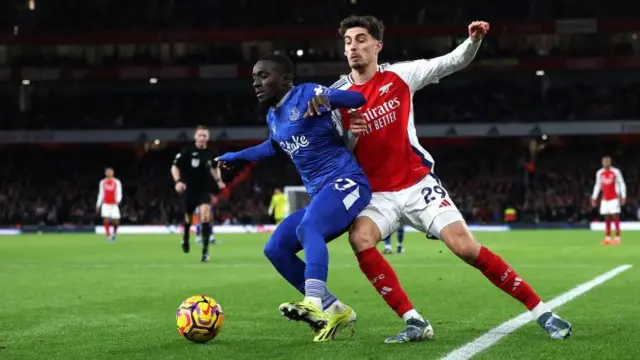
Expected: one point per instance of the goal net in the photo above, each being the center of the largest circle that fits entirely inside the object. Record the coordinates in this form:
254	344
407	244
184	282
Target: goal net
297	198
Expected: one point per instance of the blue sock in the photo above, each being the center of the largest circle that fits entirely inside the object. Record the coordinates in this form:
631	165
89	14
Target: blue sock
281	250
400	235
387	241
316	253
198	229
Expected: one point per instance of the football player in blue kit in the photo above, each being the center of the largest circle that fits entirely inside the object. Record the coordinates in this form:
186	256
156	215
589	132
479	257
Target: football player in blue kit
338	188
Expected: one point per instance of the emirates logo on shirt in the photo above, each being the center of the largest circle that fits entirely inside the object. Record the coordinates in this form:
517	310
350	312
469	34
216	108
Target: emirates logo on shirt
382	115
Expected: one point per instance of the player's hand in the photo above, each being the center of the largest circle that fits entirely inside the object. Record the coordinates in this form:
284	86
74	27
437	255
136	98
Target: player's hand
623	201
317	105
594	203
221	185
224	161
180	187
357	123
97	209
478	29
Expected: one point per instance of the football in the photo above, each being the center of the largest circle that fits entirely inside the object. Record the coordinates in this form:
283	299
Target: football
199	319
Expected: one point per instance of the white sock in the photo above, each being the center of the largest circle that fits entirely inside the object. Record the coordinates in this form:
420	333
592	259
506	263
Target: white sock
336	308
540	309
314	300
411	314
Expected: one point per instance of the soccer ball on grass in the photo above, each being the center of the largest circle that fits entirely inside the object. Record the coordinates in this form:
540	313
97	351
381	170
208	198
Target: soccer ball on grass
199	318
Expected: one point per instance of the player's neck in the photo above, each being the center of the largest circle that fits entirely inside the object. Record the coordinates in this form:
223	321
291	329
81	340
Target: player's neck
203	146
361	76
279	99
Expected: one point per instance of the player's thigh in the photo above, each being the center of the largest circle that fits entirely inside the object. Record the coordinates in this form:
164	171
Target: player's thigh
429	208
110	211
378	220
284	237
610	207
334	208
104	211
115	213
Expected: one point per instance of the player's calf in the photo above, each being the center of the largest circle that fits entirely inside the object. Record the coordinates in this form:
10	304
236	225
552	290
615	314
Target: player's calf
457	237
363	237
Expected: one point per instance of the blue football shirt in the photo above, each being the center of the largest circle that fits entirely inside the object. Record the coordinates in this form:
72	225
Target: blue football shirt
314	144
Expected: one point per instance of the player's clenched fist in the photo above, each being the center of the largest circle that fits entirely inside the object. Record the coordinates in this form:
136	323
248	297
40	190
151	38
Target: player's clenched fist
478	29
357	123
181	187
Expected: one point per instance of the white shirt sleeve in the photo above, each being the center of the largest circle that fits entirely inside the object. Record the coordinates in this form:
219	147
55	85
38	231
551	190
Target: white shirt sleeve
100	193
597	186
622	187
420	73
349	139
118	191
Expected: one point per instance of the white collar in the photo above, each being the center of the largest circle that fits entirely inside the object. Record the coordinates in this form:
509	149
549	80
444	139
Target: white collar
284	98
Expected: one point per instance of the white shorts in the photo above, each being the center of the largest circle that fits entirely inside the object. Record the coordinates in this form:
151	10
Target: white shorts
609	207
110	211
425	206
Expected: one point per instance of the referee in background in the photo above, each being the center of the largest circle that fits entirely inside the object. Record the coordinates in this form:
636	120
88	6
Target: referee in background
197	177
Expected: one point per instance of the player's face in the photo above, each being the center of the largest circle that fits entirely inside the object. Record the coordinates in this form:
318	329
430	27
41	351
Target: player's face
268	82
360	48
202	137
108	173
606	162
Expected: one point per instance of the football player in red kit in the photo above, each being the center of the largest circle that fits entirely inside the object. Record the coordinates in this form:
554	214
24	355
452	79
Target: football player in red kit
609	180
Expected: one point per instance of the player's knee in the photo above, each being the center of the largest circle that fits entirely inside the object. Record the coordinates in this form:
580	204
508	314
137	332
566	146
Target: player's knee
271	250
460	241
363	237
304	230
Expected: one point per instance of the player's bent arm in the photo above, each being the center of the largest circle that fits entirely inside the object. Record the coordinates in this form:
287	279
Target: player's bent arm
254	153
100	194
420	73
349	138
596	187
622	186
345	99
118	191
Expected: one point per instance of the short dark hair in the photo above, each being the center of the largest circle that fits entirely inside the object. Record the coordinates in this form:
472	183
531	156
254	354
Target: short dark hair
202	127
374	26
284	63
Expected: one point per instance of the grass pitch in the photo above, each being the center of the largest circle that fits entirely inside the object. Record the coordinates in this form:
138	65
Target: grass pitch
79	297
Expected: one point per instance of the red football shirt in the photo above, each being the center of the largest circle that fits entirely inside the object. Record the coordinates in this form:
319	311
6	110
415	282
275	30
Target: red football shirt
390	153
109	192
611	183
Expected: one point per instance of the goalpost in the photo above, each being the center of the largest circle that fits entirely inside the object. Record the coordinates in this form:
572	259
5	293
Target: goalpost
297	198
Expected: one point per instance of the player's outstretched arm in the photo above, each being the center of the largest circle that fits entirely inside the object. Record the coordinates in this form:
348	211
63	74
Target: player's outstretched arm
420	73
254	153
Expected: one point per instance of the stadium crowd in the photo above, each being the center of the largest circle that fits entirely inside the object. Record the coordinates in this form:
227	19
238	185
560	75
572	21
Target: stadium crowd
118	14
52	186
497	102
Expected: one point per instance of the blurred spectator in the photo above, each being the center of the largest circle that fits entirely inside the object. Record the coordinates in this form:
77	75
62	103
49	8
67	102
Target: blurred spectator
59	186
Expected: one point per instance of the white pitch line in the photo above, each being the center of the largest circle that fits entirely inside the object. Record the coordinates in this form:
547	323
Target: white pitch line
494	335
